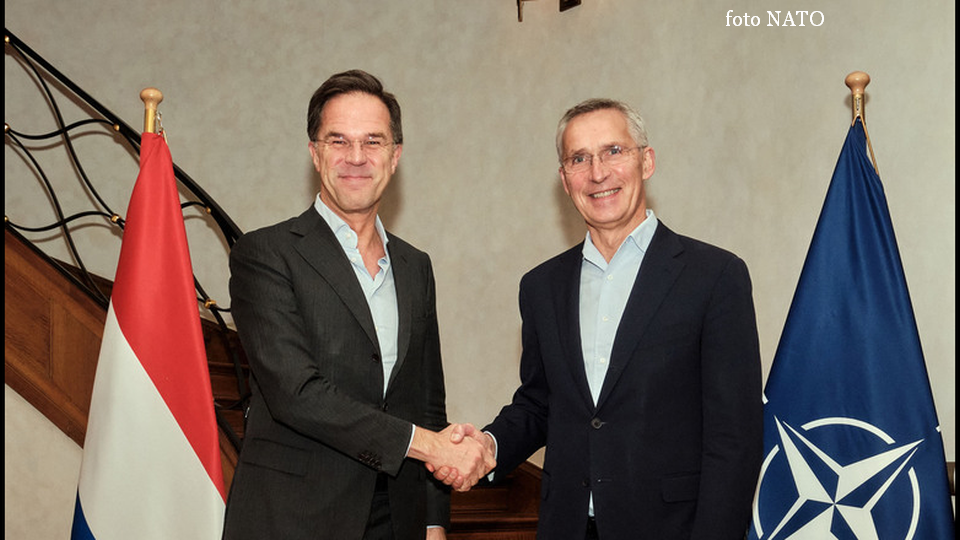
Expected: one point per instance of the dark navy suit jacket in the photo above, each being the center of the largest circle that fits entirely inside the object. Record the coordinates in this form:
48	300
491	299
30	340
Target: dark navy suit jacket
672	449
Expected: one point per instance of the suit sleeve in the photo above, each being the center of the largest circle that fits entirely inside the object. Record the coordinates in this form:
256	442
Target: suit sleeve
732	408
273	332
521	427
438	495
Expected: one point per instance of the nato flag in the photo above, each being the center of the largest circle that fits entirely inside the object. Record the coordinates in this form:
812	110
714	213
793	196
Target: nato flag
852	443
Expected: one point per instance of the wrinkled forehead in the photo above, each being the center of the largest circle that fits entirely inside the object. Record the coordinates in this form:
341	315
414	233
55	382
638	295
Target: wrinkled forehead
355	115
594	130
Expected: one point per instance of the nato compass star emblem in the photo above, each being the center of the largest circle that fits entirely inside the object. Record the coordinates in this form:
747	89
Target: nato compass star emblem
827	500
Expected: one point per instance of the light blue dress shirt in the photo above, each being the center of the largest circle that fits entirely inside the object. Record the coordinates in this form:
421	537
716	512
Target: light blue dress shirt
604	290
379	290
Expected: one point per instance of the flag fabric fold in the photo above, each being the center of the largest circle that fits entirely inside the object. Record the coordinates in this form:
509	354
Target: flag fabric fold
151	458
852	443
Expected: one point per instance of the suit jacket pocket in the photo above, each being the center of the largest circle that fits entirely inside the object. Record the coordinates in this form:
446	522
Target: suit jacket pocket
680	488
278	457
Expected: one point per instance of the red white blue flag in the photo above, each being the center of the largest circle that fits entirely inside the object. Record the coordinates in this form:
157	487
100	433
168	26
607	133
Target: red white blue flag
151	457
852	443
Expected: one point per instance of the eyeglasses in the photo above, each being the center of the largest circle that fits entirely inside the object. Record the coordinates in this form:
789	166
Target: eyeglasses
610	156
369	146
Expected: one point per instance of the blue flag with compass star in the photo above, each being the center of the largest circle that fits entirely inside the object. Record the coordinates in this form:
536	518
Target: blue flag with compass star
852	443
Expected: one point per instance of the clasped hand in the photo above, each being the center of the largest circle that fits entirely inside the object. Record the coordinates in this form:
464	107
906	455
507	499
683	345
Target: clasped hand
475	451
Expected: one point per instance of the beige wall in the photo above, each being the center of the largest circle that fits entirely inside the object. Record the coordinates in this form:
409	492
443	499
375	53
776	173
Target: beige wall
747	124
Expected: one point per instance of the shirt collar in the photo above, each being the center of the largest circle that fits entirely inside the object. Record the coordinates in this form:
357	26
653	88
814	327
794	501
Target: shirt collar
345	235
640	238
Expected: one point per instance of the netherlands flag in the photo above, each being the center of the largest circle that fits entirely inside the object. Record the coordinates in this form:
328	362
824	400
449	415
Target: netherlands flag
151	457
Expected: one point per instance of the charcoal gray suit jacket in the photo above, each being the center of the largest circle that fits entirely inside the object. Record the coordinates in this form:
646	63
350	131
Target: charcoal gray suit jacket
319	429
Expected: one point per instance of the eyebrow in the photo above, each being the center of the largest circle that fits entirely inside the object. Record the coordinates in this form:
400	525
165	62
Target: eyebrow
601	147
371	135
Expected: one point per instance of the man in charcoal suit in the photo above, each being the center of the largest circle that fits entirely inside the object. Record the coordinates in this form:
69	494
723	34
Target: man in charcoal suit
338	320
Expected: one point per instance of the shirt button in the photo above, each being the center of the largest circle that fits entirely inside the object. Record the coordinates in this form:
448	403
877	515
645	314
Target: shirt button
606	319
610	277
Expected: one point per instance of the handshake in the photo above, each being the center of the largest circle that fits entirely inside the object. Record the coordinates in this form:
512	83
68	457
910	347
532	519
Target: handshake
459	456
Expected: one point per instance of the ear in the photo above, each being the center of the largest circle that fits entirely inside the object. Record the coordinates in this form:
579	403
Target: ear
563	180
395	159
649	162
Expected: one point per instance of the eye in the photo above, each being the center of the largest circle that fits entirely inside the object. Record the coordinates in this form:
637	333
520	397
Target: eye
373	144
578	159
614	150
338	143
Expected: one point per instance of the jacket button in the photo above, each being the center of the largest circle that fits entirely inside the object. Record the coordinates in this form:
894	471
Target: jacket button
585	482
596	423
375	357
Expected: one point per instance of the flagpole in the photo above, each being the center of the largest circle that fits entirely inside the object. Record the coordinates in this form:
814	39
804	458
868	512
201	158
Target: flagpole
857	82
151	97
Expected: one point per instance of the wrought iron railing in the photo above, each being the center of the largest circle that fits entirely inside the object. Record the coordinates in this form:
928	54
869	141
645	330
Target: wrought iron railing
43	74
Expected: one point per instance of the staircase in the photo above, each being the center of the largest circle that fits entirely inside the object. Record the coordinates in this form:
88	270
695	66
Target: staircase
52	333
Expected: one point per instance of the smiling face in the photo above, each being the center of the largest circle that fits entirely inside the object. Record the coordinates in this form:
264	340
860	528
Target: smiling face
610	198
352	178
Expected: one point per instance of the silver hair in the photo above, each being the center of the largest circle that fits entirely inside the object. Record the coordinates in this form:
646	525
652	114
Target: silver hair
634	121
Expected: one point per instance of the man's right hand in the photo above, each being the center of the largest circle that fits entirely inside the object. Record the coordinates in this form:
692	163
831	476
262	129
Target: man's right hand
457	455
458	434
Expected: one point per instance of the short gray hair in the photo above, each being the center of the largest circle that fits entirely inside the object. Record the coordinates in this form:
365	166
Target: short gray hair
634	121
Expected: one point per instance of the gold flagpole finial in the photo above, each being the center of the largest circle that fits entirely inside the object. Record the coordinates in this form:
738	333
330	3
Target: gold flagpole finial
857	82
151	97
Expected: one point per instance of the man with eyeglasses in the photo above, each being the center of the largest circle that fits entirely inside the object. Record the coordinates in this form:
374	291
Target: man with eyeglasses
338	320
640	369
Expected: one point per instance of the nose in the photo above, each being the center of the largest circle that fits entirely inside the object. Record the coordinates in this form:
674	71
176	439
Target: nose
598	170
355	154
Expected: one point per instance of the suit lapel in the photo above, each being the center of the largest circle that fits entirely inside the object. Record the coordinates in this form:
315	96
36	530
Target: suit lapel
319	248
567	301
660	268
405	280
